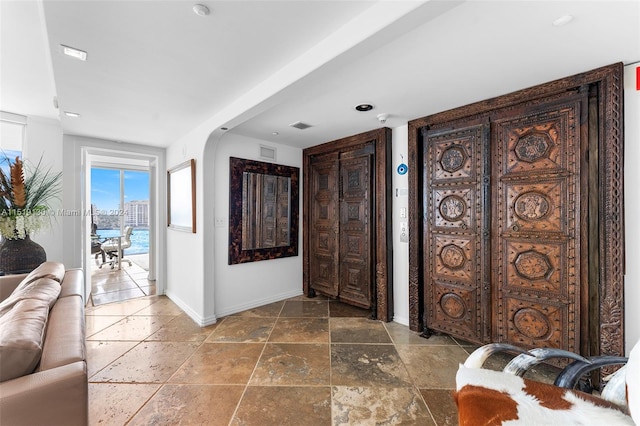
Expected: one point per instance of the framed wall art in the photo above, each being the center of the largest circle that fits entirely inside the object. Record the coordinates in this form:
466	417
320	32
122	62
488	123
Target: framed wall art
181	197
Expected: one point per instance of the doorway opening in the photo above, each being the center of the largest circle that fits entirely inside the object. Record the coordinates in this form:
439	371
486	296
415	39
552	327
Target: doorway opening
120	233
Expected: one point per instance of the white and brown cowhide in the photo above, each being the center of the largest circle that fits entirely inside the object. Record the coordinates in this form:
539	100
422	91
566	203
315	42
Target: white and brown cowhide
487	397
633	382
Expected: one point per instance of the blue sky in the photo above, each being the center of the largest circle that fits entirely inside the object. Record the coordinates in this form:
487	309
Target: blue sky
105	187
11	155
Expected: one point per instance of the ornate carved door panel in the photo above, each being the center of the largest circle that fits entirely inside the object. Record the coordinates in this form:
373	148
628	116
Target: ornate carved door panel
324	240
502	225
347	236
538	211
557	215
356	277
341	229
454	240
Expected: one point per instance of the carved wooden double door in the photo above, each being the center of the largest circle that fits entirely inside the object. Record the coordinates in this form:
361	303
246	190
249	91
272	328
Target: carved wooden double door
341	225
504	202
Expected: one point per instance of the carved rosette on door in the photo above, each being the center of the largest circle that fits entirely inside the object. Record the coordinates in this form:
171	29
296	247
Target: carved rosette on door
502	236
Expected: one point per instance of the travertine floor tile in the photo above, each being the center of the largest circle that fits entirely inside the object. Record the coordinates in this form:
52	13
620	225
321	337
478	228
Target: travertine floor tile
367	365
432	367
378	406
220	363
442	406
357	330
114	405
242	329
293	364
337	309
101	354
190	405
300	330
305	309
297	362
116	296
163	306
402	335
284	406
122	308
95	323
132	328
148	362
270	310
182	329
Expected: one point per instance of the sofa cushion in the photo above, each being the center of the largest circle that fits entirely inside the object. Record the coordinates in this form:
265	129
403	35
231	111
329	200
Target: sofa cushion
65	334
21	335
44	289
52	270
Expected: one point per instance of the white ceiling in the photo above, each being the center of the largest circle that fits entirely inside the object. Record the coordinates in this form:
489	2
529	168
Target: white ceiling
155	70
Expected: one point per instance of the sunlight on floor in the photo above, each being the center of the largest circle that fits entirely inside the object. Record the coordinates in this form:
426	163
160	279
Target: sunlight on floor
116	285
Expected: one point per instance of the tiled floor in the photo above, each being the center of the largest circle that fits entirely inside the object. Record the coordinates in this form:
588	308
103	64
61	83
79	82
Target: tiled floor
115	285
296	362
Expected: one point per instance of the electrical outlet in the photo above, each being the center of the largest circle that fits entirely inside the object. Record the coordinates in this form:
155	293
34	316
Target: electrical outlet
404	232
220	222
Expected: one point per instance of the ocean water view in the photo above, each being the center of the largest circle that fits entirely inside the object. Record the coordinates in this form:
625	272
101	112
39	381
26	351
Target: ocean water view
139	239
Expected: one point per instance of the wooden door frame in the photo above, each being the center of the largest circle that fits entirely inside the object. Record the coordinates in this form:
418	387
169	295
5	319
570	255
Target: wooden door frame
609	82
383	239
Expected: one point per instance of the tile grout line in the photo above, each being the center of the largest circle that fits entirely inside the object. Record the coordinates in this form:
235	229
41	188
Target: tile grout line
246	386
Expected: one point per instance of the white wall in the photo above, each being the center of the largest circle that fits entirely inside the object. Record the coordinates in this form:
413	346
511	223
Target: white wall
632	206
186	282
248	285
400	141
43	140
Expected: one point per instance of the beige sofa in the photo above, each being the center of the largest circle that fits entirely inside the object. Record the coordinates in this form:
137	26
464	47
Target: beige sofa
43	369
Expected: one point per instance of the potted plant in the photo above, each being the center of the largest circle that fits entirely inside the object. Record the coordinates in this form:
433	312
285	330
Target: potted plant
26	191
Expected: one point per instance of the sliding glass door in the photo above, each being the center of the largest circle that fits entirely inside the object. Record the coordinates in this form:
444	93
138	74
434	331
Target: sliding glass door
119	201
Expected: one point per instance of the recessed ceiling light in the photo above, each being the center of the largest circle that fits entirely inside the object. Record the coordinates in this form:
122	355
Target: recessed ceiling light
563	20
201	10
71	114
364	107
74	53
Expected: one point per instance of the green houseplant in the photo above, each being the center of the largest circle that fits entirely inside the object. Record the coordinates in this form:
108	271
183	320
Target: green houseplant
26	191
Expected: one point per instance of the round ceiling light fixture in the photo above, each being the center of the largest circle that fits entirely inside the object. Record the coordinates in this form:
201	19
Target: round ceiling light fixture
363	107
201	10
563	20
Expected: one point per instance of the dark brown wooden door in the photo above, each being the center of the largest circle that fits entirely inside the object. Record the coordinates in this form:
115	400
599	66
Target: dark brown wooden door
538	214
324	236
341	228
355	231
502	225
456	227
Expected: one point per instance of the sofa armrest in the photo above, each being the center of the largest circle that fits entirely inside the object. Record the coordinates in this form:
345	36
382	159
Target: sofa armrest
8	283
53	397
73	283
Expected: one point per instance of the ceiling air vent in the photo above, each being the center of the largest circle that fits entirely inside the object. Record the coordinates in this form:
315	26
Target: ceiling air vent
300	125
267	153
